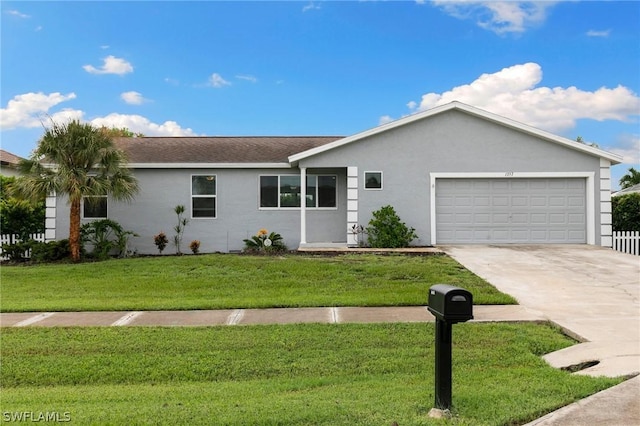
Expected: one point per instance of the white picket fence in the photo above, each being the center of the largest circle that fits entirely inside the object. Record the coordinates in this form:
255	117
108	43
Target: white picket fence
12	239
627	242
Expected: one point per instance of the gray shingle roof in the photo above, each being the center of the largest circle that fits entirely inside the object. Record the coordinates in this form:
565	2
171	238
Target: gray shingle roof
223	149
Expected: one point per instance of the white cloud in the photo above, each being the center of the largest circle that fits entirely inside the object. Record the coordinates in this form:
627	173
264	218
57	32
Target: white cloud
311	6
133	98
249	78
217	81
513	92
501	17
596	33
140	124
385	119
628	147
111	65
31	109
18	14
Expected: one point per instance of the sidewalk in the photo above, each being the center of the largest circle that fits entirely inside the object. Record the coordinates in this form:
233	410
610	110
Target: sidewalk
330	315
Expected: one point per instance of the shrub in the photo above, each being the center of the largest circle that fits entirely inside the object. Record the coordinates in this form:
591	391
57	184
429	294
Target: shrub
195	246
51	251
161	241
264	241
106	236
386	230
16	252
626	212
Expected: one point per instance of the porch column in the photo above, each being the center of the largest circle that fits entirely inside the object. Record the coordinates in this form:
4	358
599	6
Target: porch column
303	205
352	206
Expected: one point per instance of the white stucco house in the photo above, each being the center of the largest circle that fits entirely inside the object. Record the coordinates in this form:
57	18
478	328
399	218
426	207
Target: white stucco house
455	173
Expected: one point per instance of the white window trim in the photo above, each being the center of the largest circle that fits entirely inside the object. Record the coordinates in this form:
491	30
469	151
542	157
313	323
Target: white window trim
589	196
297	208
94	218
364	183
191	196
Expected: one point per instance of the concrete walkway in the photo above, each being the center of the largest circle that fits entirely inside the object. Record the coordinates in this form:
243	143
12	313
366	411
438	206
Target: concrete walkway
331	315
593	293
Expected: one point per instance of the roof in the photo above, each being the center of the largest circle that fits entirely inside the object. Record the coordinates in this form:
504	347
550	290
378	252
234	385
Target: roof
221	151
630	190
459	106
9	159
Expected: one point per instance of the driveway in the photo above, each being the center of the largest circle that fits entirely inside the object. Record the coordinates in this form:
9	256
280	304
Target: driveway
591	292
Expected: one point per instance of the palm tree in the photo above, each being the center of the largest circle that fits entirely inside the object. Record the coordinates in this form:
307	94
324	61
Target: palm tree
76	160
631	178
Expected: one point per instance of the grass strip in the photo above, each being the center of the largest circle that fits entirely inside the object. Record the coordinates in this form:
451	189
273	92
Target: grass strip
222	281
355	374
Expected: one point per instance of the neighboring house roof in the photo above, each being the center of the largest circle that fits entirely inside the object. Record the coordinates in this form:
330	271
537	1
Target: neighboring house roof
630	190
251	151
8	159
459	106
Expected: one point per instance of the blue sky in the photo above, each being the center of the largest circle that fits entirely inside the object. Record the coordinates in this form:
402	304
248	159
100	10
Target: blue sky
319	68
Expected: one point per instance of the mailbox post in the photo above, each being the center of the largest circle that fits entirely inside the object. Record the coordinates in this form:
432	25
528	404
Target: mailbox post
449	305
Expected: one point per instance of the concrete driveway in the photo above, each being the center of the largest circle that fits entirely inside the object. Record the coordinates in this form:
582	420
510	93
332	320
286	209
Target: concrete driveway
591	292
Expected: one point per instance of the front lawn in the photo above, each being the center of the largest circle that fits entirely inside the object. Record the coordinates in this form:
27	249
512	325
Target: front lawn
222	281
333	374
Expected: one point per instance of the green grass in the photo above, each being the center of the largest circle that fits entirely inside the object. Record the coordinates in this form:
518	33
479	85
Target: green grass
347	374
234	281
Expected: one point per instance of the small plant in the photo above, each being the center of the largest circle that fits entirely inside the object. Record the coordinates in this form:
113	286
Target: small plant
359	232
386	230
264	241
161	241
106	236
195	246
179	228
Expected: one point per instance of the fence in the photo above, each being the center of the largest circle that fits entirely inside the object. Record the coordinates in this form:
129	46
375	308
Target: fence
12	239
627	242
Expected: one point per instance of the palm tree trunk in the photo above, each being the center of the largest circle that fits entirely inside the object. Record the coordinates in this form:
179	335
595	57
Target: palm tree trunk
74	230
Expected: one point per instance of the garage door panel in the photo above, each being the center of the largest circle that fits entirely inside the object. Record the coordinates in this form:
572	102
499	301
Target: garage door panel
509	210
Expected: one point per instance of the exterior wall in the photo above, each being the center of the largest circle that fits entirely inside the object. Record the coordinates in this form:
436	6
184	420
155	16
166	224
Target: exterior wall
450	142
237	210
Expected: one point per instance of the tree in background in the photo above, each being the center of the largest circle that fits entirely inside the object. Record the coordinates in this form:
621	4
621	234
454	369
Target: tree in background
18	216
631	178
77	160
625	212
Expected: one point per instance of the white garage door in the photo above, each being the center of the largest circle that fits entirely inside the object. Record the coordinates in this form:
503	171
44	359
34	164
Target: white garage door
511	210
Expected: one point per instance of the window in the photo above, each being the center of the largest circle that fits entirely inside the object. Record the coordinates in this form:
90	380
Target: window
94	207
284	191
203	196
372	180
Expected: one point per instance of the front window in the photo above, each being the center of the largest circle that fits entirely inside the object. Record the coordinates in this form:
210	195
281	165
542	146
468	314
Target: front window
203	196
284	191
94	207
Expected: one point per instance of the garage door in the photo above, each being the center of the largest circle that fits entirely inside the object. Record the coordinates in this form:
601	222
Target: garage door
511	210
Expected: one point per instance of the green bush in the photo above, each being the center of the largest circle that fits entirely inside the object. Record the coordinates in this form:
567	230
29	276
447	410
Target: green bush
51	251
106	237
16	252
626	212
386	230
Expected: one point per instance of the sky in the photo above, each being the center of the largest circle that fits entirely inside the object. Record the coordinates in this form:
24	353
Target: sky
266	68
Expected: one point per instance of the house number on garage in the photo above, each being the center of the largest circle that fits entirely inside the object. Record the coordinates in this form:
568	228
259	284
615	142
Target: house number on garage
507	174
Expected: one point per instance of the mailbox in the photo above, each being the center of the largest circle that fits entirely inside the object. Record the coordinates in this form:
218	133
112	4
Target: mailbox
450	304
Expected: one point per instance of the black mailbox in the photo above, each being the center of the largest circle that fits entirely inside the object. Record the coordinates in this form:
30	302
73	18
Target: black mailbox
450	304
